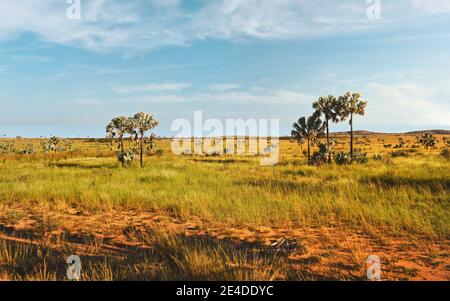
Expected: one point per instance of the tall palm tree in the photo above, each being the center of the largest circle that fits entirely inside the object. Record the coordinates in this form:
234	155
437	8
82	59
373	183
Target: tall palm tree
118	128
143	122
328	107
348	106
309	129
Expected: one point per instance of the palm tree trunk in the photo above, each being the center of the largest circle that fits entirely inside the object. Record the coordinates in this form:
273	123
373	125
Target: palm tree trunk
351	137
309	151
328	135
328	140
141	151
122	151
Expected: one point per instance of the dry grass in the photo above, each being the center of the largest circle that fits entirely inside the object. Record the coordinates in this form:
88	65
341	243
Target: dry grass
47	200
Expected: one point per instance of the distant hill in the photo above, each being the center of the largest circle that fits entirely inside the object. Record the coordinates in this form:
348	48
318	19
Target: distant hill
436	132
368	133
360	133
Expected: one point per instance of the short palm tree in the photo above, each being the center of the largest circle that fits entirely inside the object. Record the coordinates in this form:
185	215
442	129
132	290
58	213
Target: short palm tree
118	128
427	140
53	143
328	107
143	122
348	106
309	129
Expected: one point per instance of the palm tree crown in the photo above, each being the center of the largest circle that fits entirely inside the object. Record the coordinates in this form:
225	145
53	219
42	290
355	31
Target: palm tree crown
328	106
349	105
309	129
118	127
143	122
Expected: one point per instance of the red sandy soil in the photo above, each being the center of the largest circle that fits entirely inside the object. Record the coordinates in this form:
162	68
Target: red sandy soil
328	253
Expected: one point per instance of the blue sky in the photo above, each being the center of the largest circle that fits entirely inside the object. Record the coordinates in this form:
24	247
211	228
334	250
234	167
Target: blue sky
228	58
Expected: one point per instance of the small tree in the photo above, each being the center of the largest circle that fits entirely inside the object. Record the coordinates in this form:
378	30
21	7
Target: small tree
427	140
308	129
141	123
151	142
51	144
118	128
348	106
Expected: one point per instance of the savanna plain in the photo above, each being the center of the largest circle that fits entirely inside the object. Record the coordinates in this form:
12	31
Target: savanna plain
199	217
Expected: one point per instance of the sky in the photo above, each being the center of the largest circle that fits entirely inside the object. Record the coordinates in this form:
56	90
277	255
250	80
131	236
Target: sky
262	59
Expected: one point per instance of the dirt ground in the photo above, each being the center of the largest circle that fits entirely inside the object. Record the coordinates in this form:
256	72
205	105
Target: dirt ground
325	253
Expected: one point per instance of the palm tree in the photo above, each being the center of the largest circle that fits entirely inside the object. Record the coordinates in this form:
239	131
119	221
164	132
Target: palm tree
143	122
309	129
348	106
328	107
118	128
427	140
53	143
151	142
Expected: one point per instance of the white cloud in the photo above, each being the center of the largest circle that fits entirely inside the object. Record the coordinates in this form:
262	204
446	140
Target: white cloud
145	25
432	6
151	87
223	87
228	97
406	104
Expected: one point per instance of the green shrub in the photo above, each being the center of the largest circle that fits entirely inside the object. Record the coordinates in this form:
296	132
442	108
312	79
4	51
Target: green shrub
377	157
342	158
127	158
28	150
360	157
323	156
7	148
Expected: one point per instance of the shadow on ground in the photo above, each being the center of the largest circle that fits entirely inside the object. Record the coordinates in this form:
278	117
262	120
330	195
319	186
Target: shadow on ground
152	256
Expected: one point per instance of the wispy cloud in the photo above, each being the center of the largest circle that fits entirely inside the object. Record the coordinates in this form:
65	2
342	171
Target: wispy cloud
32	59
54	76
227	98
151	87
145	25
407	103
223	87
432	6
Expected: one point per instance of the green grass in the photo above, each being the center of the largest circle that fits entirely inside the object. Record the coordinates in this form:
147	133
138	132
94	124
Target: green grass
227	199
403	194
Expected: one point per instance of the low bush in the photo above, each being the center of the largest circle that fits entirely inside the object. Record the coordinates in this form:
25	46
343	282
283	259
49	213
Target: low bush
342	158
323	156
360	157
377	157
